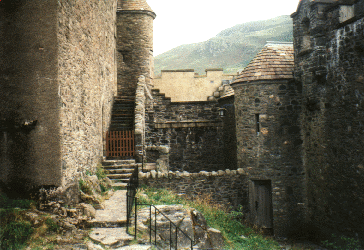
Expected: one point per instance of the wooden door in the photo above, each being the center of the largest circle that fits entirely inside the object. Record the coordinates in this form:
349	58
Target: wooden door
261	204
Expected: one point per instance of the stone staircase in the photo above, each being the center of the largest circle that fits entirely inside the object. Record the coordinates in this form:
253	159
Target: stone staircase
120	171
122	114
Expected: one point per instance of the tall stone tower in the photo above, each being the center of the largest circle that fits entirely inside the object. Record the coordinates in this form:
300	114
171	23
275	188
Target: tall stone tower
134	44
267	110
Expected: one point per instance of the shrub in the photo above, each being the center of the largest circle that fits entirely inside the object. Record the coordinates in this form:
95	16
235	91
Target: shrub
342	243
14	231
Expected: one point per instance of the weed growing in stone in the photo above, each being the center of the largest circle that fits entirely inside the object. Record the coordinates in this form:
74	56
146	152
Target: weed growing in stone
342	243
100	172
237	235
84	187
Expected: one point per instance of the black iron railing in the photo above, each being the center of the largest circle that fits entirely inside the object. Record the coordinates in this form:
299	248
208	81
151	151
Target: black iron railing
130	197
174	230
131	201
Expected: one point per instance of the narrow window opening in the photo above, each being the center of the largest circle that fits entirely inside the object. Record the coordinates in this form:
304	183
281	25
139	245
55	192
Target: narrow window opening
257	123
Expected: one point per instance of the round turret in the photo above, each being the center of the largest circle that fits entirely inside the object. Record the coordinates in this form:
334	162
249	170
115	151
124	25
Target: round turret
134	44
267	109
134	5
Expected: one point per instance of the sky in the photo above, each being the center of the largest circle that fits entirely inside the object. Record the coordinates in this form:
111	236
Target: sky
181	22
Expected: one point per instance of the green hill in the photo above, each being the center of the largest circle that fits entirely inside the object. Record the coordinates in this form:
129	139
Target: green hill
232	49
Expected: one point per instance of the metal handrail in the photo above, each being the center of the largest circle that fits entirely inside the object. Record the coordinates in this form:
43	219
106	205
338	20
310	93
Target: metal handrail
132	200
155	226
130	195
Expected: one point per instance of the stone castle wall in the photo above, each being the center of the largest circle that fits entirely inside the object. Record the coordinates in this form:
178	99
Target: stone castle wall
57	83
192	131
87	77
330	68
29	105
227	188
229	132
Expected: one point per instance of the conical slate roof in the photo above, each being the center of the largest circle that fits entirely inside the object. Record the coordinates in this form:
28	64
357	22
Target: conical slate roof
134	5
274	62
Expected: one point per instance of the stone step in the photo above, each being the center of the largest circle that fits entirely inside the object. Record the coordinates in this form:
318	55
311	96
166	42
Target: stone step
122	166
126	181
120	128
123	109
119	184
116	124
118	176
106	162
124	104
138	247
119	171
122	120
124	98
123	113
111	237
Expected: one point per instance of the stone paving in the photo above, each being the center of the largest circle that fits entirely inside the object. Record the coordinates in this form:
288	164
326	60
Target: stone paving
110	225
114	212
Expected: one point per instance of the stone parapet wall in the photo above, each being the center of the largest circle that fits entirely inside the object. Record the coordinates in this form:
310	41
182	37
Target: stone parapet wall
227	188
186	86
192	131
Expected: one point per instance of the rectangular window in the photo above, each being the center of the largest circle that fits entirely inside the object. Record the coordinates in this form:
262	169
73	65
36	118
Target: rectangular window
257	123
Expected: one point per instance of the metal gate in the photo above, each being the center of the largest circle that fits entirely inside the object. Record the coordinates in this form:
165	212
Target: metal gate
120	143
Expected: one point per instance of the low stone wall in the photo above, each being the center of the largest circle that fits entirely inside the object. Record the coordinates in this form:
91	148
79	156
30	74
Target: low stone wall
228	188
139	114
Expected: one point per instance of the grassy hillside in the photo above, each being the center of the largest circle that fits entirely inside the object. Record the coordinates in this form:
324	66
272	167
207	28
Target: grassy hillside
232	49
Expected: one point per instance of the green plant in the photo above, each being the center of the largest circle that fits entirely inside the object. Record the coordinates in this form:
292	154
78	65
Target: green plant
103	188
100	172
84	187
116	188
229	223
14	230
52	225
5	202
342	243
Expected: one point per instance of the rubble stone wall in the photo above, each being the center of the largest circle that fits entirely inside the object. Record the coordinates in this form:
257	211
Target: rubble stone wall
191	130
331	73
134	48
86	73
227	188
269	145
